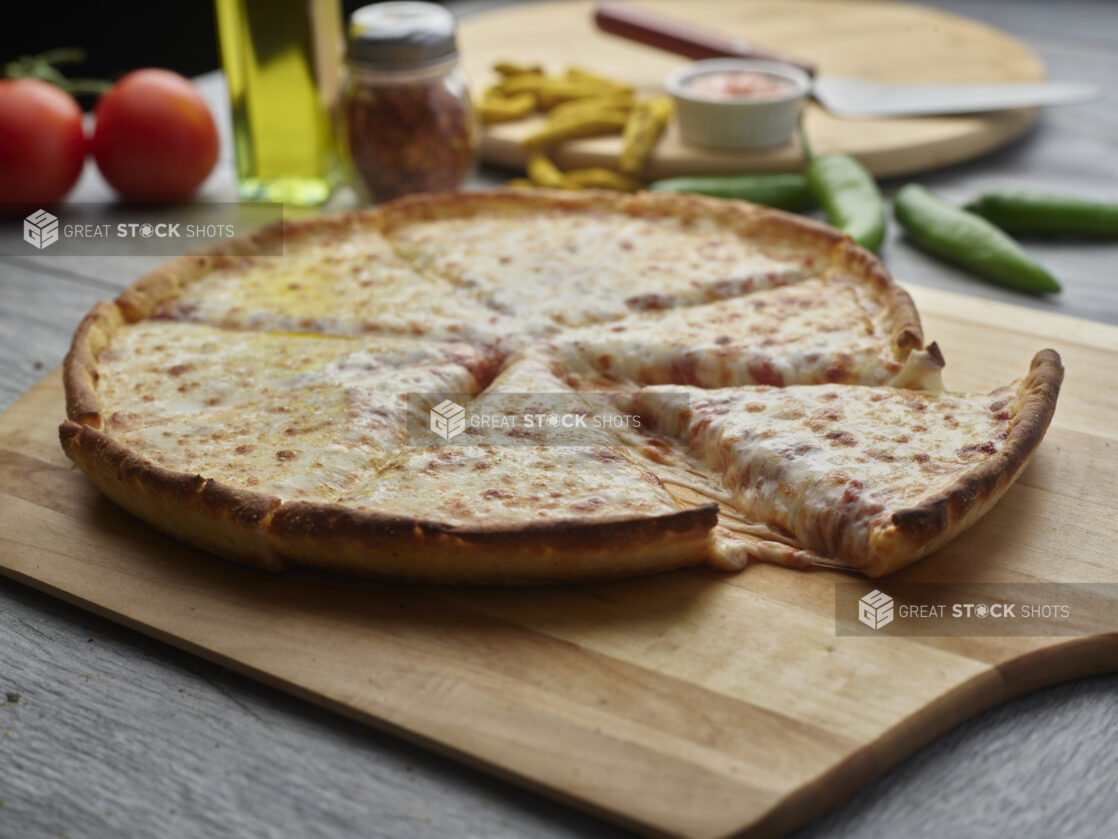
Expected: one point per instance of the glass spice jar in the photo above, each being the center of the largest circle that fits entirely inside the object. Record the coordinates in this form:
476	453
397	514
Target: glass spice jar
408	123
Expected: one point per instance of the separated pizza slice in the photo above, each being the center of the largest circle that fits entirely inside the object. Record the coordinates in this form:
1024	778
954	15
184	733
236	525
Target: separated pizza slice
496	508
870	478
334	275
826	330
555	260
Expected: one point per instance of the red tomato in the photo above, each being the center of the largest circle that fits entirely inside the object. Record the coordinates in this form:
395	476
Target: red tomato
42	146
154	138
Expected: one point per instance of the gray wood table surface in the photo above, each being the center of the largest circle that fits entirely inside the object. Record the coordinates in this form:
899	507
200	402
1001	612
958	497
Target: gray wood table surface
105	732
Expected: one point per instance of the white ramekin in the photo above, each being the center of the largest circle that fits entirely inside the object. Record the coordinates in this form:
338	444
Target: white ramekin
743	123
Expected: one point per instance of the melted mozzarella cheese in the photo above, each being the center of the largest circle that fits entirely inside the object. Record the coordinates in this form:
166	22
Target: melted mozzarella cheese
292	415
525	479
470	486
349	285
154	370
555	270
819	331
311	444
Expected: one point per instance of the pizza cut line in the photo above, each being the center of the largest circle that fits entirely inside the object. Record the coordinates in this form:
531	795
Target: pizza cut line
256	405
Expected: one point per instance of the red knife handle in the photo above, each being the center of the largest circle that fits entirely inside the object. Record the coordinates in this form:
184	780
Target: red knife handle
649	28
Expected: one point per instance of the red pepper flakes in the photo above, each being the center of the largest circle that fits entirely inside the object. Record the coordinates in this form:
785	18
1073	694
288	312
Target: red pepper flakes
409	137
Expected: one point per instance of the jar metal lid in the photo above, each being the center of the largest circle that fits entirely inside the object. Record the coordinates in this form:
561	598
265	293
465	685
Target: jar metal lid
395	35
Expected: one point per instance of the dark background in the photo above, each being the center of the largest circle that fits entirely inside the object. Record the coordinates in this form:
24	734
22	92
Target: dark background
123	35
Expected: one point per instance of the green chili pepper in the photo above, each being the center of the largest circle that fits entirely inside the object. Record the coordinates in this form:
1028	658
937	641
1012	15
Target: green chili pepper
849	195
1046	214
783	191
968	240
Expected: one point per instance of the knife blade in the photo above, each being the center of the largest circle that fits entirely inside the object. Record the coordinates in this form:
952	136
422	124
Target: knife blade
861	98
845	97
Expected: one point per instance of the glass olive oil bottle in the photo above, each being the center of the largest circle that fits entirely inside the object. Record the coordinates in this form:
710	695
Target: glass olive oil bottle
282	60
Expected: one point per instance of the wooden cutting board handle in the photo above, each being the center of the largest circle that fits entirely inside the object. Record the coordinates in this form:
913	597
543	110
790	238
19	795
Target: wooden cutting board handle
670	35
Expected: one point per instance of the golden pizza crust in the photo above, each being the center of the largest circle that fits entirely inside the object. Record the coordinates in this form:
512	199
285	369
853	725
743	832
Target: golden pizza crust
917	531
907	333
205	513
260	530
79	370
339	538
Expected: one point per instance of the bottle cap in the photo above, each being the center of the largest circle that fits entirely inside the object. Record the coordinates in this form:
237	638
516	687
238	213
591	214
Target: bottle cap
388	36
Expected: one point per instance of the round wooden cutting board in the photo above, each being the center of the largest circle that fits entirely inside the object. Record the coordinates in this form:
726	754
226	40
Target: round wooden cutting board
889	42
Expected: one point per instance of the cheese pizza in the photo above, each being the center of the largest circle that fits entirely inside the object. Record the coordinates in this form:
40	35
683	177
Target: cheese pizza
752	386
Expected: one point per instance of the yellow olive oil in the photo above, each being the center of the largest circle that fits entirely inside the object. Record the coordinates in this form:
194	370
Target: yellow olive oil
282	61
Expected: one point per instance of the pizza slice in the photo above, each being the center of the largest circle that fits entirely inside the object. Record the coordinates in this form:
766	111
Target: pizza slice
124	376
311	442
205	432
512	458
826	330
501	515
334	276
869	478
516	511
555	260
215	478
